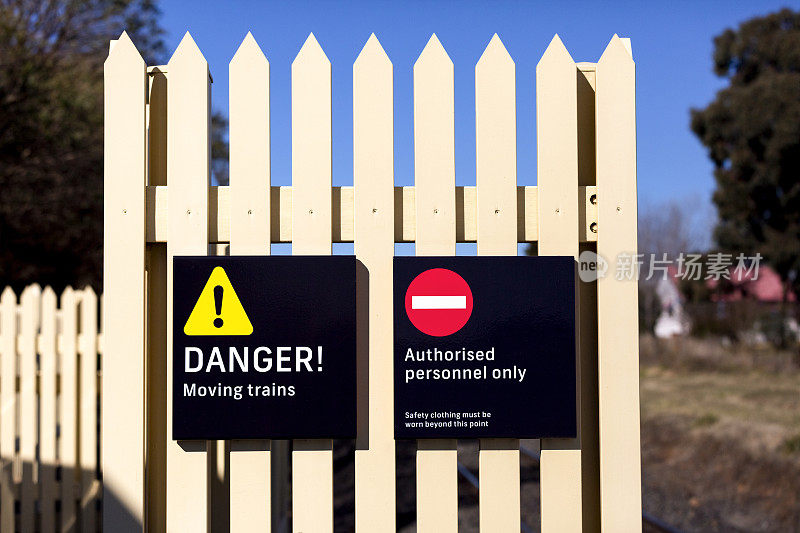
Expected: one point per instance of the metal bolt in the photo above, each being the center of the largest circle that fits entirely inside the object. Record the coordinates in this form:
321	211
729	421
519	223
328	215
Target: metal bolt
124	211
374	209
496	211
558	209
435	211
593	199
619	209
593	227
310	211
188	211
249	211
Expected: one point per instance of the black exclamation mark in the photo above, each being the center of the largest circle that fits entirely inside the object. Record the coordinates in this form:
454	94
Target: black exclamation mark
218	305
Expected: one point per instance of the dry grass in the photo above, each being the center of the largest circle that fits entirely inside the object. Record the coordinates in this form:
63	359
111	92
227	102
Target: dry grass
724	389
766	405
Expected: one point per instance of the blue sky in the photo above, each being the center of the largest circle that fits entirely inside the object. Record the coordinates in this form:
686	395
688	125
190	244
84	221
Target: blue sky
672	46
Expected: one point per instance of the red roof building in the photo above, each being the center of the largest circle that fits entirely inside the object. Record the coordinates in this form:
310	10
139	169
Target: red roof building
766	287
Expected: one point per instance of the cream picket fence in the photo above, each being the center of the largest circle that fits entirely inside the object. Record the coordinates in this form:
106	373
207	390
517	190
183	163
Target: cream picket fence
50	395
159	203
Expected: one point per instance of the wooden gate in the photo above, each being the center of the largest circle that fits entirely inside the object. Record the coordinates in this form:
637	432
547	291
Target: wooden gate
158	204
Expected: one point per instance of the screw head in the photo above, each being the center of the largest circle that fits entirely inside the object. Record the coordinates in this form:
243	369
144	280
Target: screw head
435	211
619	209
249	211
310	211
593	227
124	211
374	209
496	211
188	211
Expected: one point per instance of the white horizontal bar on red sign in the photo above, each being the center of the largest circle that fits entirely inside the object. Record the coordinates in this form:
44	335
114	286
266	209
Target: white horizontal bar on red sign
438	302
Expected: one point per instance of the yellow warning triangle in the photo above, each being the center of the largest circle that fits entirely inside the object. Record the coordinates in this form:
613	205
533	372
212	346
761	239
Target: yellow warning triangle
218	310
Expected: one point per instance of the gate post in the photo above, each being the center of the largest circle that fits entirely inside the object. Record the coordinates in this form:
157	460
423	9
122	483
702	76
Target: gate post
125	171
617	299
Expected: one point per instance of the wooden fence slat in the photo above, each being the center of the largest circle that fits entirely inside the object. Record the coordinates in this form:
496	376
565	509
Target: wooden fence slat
47	398
8	401
312	460
434	176
28	412
125	170
68	408
250	235
496	149
618	369
188	176
87	439
373	180
557	178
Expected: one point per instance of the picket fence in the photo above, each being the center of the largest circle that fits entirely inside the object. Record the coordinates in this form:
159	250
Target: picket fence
49	425
159	204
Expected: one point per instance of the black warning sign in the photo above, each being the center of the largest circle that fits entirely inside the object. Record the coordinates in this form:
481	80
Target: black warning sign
264	347
484	347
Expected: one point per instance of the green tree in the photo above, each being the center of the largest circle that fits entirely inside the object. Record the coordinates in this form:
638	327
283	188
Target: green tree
752	133
219	148
51	132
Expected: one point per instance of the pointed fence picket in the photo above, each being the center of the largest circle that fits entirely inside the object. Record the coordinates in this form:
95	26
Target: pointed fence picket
618	334
159	194
48	387
125	168
8	401
88	400
250	472
41	397
188	174
435	183
68	447
496	178
374	216
312	460
28	412
557	179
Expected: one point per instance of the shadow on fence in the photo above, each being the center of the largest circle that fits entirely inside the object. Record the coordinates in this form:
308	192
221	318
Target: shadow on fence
49	512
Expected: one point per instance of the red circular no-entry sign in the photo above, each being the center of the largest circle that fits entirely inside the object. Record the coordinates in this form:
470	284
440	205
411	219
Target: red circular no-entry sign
438	302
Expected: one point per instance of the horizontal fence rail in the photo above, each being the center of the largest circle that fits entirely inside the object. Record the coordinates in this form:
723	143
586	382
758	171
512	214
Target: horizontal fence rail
159	203
343	205
50	372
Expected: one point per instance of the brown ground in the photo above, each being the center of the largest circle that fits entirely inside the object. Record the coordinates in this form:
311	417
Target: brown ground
720	436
